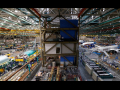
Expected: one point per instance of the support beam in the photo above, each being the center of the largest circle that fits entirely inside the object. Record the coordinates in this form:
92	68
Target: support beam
50	35
68	48
41	43
67	60
51	48
68	35
49	63
69	21
81	11
49	29
66	54
54	18
32	12
36	12
47	42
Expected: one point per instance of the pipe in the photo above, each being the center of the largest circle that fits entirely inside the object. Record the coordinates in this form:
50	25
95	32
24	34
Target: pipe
101	16
36	12
81	11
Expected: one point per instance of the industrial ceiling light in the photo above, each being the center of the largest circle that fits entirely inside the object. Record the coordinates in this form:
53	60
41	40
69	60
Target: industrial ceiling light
16	11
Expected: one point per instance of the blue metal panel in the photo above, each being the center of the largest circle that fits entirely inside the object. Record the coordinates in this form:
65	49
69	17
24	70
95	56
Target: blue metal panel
70	58
65	24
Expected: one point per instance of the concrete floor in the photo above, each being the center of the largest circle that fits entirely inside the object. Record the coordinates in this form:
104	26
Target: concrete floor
115	73
84	74
35	74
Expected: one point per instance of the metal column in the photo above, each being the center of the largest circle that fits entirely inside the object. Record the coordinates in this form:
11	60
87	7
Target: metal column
41	43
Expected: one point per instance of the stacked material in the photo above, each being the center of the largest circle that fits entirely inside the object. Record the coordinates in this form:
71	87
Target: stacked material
51	74
58	74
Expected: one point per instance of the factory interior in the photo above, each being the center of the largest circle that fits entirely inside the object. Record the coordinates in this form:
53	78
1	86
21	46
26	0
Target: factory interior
59	44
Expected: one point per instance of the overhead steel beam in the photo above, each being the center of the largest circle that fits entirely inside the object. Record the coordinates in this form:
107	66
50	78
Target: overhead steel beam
26	14
6	11
102	30
91	14
105	14
85	13
99	25
32	12
36	12
10	21
81	11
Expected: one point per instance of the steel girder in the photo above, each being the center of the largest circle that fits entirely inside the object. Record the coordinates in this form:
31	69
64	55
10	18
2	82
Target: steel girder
103	24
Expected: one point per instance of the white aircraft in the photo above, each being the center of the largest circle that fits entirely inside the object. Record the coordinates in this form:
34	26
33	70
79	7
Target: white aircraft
87	43
81	41
105	49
